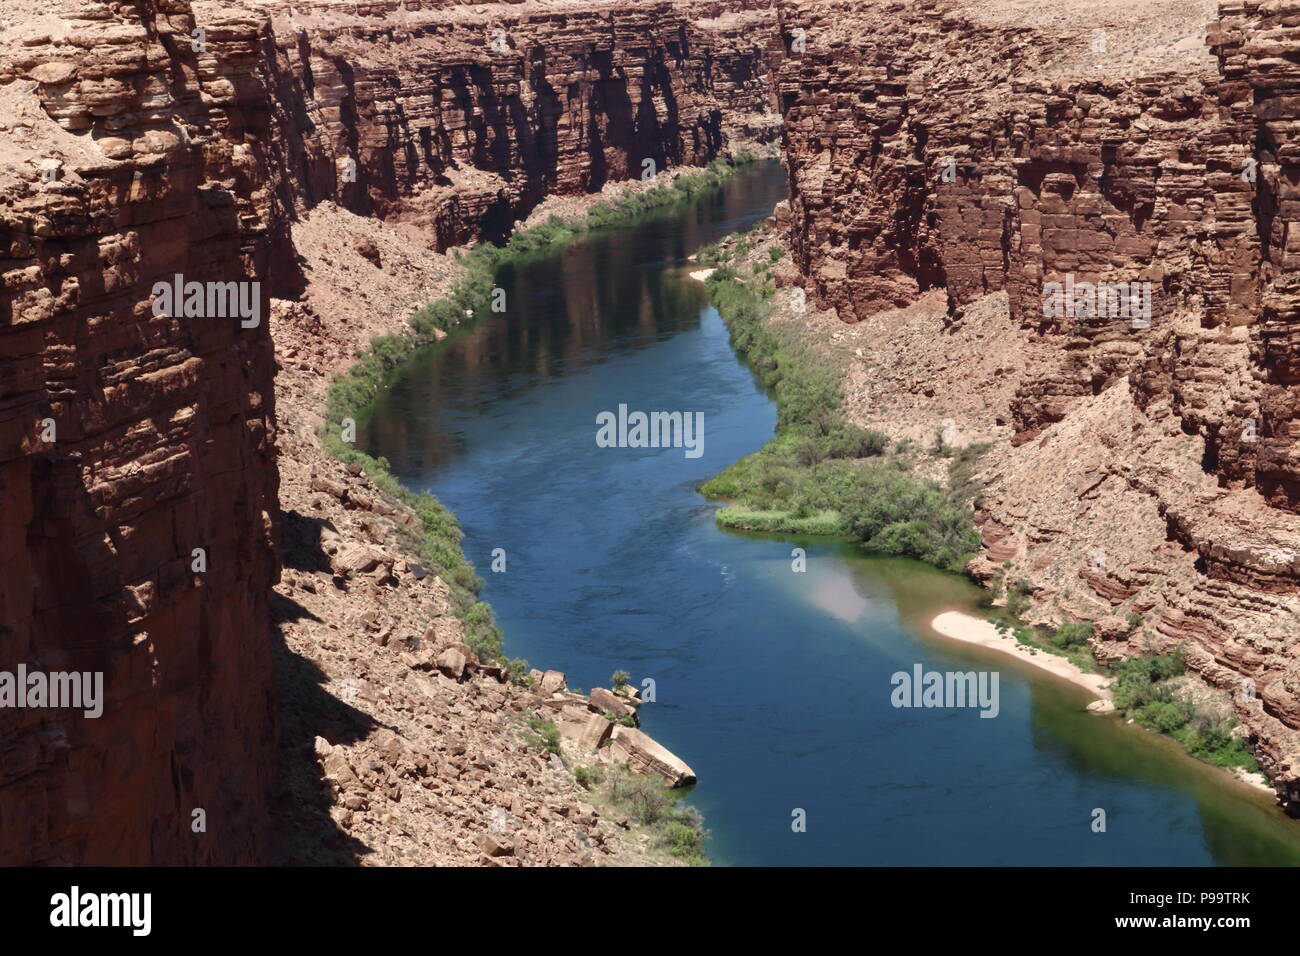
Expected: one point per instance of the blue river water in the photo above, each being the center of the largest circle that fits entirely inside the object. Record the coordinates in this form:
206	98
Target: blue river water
774	685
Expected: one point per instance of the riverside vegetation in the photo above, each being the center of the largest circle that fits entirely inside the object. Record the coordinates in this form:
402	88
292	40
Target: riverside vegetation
673	828
352	392
1145	689
822	476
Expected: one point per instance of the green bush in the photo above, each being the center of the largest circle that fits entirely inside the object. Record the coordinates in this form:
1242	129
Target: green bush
1165	714
1018	598
1073	634
587	777
682	839
1214	742
646	799
546	735
818	475
648	802
1138	679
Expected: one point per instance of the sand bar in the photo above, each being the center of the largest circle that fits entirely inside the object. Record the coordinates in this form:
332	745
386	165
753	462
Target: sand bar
973	630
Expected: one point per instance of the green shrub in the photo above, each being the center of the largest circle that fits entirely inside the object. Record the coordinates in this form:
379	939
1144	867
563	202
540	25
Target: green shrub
1073	634
517	671
818	475
588	777
1018	598
546	735
682	839
646	799
1165	714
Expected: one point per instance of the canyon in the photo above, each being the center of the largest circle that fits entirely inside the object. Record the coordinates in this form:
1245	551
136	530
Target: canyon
235	142
274	653
950	160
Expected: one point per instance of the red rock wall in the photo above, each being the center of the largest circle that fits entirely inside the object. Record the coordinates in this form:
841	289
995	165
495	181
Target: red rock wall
1132	178
164	443
462	121
1132	163
191	157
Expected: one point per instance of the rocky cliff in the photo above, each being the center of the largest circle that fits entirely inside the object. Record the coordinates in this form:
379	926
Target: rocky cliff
138	473
1103	197
462	119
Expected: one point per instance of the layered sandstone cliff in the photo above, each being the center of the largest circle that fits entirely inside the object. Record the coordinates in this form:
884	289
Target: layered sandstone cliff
1144	463
462	119
153	138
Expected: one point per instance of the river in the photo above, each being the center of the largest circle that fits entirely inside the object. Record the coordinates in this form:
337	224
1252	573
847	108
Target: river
775	686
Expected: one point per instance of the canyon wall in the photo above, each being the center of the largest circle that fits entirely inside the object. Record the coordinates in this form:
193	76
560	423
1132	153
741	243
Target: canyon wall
461	120
138	450
129	439
1149	467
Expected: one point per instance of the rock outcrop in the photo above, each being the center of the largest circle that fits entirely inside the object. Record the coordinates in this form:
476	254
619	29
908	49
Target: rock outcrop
141	141
1149	462
462	119
137	459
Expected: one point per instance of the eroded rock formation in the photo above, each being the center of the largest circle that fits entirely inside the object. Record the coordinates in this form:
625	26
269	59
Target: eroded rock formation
1150	463
145	139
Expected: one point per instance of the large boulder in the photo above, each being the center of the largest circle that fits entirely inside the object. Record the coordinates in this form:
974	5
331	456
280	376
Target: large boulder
552	682
358	559
452	662
643	754
584	731
607	702
595	733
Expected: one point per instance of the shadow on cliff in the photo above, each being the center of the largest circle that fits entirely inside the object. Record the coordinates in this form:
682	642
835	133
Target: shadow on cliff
300	542
305	833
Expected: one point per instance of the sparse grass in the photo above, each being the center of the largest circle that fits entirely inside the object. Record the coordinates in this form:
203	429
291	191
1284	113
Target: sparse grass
545	735
648	805
646	801
1068	646
828	523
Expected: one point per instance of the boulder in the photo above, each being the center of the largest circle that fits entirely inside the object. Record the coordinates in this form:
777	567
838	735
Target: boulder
643	754
452	663
551	682
494	844
594	733
607	702
357	559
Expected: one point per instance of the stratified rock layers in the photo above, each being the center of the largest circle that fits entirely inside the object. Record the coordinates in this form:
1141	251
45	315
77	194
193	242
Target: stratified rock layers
141	141
931	145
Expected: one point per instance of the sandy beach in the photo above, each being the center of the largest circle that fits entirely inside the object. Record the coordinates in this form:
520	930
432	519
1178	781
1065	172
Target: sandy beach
973	630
